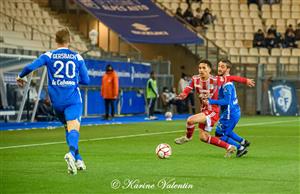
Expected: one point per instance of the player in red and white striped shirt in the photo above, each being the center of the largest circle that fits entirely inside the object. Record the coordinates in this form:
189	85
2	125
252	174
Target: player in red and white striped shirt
207	86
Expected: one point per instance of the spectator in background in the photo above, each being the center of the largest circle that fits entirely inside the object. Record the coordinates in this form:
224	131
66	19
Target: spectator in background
179	12
270	41
152	95
272	30
110	90
45	111
207	17
278	40
289	29
182	83
198	17
259	39
168	99
189	16
297	32
290	40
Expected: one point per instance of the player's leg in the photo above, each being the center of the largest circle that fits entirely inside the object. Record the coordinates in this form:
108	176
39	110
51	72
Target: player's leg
151	108
73	117
233	135
224	126
190	127
205	136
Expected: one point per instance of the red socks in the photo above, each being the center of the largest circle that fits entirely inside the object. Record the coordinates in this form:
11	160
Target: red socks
217	142
189	130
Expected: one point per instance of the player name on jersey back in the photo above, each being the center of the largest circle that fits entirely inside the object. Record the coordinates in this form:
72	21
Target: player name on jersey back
64	56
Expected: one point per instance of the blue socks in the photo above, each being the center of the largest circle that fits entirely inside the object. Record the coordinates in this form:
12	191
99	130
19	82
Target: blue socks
77	155
230	141
235	137
72	140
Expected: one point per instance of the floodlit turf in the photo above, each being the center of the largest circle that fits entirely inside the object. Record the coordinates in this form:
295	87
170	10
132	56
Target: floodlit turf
271	166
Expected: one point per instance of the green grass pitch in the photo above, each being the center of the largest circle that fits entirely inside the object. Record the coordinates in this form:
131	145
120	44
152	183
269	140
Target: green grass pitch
125	153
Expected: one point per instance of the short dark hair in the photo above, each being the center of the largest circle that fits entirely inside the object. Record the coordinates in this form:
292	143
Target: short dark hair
109	67
62	36
227	61
207	62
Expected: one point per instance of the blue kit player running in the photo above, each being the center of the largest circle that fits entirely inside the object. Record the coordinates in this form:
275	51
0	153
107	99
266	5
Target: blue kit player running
230	111
66	70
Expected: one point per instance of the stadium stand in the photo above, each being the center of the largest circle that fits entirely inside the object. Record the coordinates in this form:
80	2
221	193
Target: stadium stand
237	22
27	26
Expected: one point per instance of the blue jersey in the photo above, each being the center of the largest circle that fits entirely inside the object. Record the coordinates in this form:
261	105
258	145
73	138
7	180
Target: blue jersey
66	70
228	101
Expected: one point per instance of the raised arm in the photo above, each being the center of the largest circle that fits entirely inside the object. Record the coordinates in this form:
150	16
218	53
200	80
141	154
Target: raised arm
21	79
186	91
34	65
223	101
243	80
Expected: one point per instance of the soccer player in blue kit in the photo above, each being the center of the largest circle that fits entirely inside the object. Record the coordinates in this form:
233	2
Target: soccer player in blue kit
66	70
230	111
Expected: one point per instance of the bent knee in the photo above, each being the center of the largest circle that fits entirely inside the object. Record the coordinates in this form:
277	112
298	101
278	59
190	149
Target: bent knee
190	121
203	137
73	125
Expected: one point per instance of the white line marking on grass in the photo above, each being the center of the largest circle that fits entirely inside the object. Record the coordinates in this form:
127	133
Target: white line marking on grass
135	135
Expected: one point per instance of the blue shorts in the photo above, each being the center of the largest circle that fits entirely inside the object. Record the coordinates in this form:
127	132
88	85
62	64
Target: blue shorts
69	112
225	126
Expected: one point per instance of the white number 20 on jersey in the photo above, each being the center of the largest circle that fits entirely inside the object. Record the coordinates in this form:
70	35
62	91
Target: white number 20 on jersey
69	68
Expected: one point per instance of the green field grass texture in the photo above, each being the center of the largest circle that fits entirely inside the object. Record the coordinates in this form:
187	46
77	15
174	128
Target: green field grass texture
123	156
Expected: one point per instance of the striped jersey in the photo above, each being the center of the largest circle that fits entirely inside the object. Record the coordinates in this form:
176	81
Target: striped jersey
209	88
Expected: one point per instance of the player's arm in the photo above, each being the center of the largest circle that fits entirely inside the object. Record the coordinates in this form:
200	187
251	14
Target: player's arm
83	72
243	80
223	101
21	80
186	91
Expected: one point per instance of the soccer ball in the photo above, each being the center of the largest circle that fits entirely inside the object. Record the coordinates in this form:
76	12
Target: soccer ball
163	151
168	116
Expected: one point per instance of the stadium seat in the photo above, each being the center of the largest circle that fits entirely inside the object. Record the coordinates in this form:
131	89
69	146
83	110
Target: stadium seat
291	21
275	7
235	14
275	54
280	22
229	44
253	7
276	15
265	8
227	21
263	55
247	21
295	15
234	55
220	36
266	14
220	43
215	7
285	55
237	21
234	7
239	29
229	29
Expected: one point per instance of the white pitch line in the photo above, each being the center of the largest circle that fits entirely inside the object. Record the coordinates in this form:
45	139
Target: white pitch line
136	135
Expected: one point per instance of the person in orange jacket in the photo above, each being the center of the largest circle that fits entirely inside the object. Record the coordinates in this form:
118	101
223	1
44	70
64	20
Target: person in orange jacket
110	90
